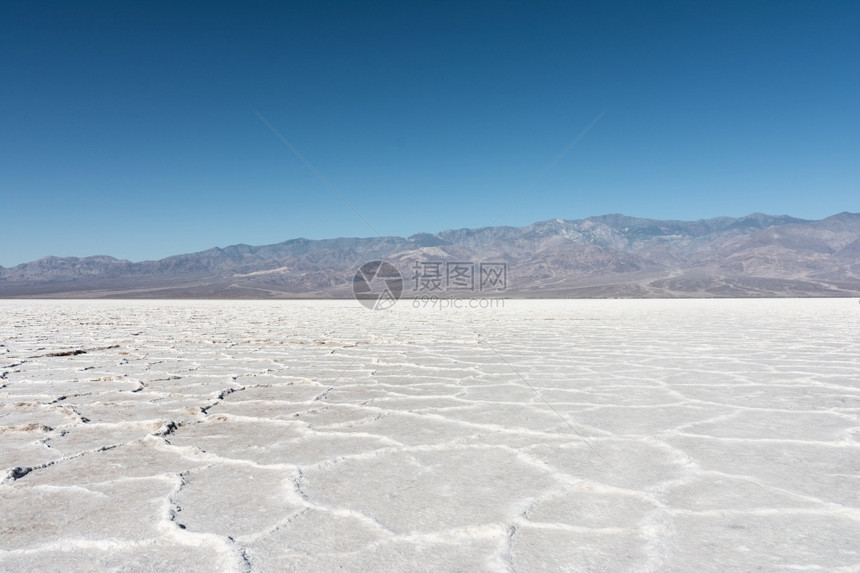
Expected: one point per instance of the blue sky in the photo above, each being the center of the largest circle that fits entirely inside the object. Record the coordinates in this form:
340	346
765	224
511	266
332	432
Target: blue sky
129	129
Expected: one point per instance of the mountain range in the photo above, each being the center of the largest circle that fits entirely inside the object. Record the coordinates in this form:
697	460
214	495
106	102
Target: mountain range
605	256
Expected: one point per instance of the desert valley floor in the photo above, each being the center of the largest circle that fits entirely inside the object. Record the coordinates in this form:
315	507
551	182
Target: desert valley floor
615	435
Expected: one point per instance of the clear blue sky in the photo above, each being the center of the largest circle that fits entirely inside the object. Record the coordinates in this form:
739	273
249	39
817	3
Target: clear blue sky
128	128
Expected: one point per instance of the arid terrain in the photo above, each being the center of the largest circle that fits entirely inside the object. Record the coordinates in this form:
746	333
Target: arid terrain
646	435
600	257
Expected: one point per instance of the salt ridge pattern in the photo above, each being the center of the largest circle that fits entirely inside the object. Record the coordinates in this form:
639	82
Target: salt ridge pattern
655	435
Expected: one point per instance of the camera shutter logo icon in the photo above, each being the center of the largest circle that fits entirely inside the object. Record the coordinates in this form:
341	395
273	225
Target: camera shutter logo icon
377	285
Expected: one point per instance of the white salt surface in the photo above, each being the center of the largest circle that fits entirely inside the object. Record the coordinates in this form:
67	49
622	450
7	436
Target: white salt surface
688	435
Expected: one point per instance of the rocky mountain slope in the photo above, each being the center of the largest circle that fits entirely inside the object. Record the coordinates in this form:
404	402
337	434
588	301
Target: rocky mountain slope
605	256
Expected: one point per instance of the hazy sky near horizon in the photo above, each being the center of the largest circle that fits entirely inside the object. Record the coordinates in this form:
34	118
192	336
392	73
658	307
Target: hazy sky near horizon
134	129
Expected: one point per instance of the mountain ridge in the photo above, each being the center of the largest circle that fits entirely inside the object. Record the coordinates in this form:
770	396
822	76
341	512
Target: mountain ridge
611	255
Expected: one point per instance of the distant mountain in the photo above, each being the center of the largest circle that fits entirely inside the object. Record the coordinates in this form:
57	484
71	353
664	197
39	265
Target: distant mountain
606	256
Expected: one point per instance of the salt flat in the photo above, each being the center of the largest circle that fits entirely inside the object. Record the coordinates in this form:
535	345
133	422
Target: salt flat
618	435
